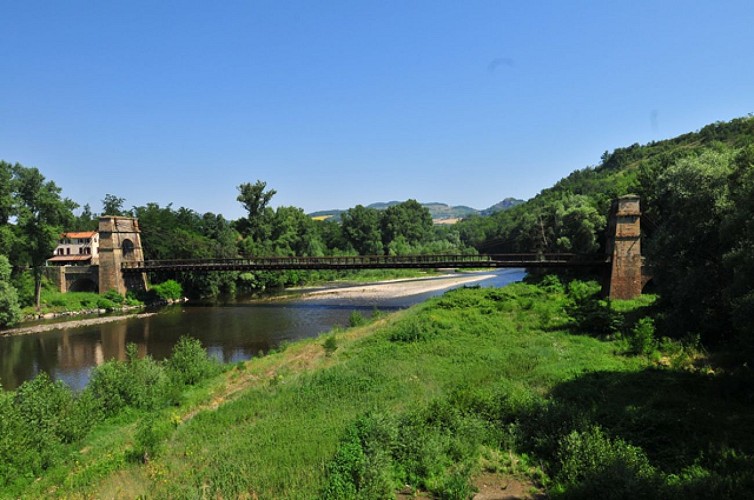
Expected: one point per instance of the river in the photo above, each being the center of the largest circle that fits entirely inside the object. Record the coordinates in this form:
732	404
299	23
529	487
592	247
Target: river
230	331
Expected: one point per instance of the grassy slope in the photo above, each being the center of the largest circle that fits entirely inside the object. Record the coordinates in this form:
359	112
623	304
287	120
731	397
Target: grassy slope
269	427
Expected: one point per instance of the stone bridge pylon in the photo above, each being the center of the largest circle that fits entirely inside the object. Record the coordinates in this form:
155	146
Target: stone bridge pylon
625	277
120	241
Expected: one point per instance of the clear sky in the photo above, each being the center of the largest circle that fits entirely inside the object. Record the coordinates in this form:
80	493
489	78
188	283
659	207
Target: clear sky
335	103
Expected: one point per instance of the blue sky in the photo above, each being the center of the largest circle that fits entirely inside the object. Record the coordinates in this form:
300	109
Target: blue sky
338	103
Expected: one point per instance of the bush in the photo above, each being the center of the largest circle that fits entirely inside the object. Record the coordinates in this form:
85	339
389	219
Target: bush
168	290
106	304
114	296
189	362
641	340
590	314
151	434
141	383
412	329
330	344
594	466
356	319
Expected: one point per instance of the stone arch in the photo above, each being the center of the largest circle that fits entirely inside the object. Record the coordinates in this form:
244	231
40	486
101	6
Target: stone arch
127	246
83	285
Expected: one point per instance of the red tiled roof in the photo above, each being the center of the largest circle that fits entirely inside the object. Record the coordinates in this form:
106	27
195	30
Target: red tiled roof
69	258
83	234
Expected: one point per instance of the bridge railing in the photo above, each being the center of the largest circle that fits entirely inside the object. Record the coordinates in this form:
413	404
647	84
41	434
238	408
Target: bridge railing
369	261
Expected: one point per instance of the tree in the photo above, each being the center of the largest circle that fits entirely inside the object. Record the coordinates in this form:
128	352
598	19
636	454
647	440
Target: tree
255	199
10	312
686	250
113	205
41	218
409	221
86	221
361	227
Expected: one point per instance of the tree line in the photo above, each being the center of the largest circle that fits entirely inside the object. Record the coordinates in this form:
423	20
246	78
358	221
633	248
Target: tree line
697	199
34	213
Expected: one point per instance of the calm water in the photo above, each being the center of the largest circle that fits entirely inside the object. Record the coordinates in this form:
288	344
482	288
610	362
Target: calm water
230	332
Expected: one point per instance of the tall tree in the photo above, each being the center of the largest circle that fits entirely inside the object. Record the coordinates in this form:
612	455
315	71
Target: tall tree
113	205
361	227
85	221
41	218
409	221
255	226
6	207
10	312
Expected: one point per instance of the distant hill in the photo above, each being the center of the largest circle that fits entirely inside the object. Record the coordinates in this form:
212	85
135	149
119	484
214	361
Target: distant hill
439	211
500	206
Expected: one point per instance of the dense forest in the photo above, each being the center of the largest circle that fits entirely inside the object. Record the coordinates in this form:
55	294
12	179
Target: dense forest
697	193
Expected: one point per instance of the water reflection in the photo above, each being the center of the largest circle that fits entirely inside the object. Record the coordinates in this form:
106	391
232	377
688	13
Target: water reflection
231	332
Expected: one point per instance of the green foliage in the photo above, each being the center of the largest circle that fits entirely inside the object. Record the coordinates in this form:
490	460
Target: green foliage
361	228
189	362
114	296
641	339
590	314
37	422
412	330
41	214
113	205
594	466
356	319
138	382
330	344
10	310
167	290
151	433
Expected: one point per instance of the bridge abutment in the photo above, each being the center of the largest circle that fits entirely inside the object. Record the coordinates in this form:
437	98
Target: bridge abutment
624	279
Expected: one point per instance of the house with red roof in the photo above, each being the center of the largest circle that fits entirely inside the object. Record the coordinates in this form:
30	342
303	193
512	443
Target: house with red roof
76	249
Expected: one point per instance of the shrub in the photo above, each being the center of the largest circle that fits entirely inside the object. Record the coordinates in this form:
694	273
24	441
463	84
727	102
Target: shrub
412	329
107	304
141	383
330	344
114	296
590	314
168	290
594	466
189	362
109	386
641	340
151	434
356	319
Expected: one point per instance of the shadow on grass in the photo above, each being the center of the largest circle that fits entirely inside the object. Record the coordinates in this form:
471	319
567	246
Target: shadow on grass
676	417
694	428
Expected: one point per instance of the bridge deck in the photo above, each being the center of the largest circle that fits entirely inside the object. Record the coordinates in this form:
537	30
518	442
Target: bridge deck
369	262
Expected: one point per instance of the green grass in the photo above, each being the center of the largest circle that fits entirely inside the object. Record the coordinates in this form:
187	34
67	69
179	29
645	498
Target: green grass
422	396
57	302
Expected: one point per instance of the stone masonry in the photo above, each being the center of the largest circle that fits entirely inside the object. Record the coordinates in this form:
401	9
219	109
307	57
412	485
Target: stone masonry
625	280
120	241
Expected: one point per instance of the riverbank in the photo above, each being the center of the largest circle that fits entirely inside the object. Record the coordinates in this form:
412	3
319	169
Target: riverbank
46	327
386	289
478	388
389	289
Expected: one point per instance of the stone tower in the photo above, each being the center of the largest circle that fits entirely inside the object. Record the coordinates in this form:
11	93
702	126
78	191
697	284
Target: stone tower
624	246
119	241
